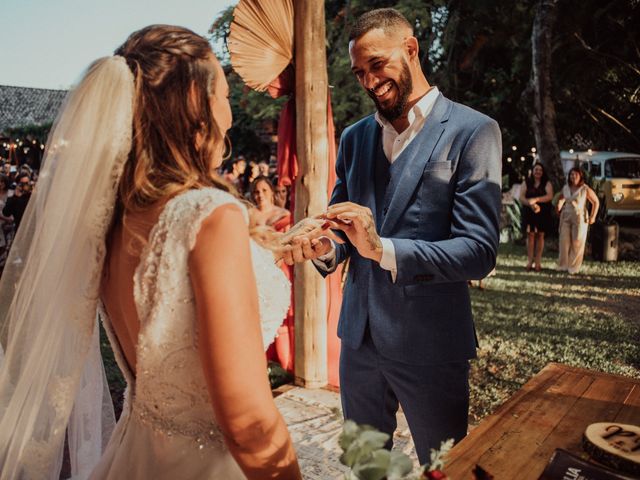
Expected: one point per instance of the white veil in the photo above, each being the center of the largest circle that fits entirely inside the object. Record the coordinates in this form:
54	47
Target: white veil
50	286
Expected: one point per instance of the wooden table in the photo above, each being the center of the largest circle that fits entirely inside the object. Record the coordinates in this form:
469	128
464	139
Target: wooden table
551	411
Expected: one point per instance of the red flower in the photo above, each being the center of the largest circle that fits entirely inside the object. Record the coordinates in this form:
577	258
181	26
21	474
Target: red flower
435	475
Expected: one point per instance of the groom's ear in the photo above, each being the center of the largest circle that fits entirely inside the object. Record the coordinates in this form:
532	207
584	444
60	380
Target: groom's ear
412	49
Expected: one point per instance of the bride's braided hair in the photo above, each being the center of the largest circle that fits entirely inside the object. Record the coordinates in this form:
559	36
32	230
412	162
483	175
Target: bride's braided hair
175	134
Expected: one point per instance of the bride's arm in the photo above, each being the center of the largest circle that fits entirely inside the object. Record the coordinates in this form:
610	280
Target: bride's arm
230	343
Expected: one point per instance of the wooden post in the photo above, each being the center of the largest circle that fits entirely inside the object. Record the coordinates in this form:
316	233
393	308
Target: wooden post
311	187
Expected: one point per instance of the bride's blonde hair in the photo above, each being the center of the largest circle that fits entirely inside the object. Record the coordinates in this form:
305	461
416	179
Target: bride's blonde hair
176	137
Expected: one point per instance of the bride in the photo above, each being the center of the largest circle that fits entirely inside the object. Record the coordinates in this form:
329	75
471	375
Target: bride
129	220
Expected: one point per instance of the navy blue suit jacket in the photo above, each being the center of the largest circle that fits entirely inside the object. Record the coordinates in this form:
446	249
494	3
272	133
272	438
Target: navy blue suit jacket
443	221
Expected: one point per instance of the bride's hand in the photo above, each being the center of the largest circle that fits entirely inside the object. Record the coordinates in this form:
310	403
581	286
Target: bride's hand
266	237
308	228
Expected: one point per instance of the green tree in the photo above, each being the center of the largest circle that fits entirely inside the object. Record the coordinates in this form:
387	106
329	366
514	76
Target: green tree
253	112
478	52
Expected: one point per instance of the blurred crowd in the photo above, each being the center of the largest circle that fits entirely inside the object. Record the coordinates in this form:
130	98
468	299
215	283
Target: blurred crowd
256	180
16	185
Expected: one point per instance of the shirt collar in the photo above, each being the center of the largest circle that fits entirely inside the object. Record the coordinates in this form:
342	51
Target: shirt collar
421	109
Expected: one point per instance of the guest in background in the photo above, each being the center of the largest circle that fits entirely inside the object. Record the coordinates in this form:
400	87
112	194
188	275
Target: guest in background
250	175
263	168
235	173
5	221
273	167
575	220
7	172
281	198
536	198
16	205
268	213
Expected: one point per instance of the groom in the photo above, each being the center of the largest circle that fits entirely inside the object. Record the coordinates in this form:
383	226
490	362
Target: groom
417	198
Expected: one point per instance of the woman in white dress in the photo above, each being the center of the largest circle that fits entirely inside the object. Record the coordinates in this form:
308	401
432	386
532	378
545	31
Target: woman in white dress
130	220
574	220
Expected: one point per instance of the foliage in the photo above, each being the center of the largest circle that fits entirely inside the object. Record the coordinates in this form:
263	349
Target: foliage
513	229
526	320
253	112
39	132
478	52
597	73
364	453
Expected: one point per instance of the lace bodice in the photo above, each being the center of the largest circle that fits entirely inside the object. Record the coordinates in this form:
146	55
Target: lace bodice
170	393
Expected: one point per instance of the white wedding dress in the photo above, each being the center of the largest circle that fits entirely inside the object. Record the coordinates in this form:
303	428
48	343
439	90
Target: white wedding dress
167	428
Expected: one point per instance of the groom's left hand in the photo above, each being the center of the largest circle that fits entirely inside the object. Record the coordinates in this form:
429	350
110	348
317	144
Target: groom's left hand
358	224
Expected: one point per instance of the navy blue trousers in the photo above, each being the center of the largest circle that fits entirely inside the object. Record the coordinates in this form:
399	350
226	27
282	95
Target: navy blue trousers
434	398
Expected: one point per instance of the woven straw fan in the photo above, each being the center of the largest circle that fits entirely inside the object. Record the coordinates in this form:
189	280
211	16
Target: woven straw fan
261	40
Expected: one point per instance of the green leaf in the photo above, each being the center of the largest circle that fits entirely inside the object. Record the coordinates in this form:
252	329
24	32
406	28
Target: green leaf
399	465
373	439
351	455
350	431
375	468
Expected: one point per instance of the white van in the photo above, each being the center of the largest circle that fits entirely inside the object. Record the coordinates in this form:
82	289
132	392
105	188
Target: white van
616	177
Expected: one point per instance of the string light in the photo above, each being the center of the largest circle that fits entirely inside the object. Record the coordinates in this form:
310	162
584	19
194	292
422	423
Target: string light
533	150
590	152
509	159
41	146
571	150
514	148
522	159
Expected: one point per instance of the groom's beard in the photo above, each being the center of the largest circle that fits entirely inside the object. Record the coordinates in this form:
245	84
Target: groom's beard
404	87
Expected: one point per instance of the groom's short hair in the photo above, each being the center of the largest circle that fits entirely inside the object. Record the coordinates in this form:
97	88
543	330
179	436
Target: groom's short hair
387	19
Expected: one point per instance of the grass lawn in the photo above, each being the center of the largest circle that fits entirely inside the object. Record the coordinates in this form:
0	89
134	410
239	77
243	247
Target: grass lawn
527	319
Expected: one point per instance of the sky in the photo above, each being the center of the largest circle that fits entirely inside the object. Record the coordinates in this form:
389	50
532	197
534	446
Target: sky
48	43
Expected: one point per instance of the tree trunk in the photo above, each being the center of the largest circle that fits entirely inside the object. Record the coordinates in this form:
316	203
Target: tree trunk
543	119
311	187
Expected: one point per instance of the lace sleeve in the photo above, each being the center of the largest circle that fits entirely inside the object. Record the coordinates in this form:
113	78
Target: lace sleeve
200	204
273	287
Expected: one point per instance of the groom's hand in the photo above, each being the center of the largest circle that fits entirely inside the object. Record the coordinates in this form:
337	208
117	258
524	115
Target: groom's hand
304	248
357	223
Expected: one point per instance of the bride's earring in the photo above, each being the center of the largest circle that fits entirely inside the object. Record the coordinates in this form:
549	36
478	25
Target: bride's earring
228	148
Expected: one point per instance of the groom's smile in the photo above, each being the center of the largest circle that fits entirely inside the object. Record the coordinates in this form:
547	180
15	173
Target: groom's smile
380	67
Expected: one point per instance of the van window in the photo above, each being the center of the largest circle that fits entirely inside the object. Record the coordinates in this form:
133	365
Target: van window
628	167
595	169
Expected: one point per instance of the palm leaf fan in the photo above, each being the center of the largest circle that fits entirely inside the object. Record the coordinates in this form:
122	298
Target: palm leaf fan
261	40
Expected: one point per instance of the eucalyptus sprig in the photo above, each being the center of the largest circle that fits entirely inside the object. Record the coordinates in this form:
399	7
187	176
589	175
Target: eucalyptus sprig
364	452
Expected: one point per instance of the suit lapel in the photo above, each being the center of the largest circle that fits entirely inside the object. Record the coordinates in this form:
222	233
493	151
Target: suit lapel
366	166
420	154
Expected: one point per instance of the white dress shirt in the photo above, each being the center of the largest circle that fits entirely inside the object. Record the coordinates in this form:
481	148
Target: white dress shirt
393	144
